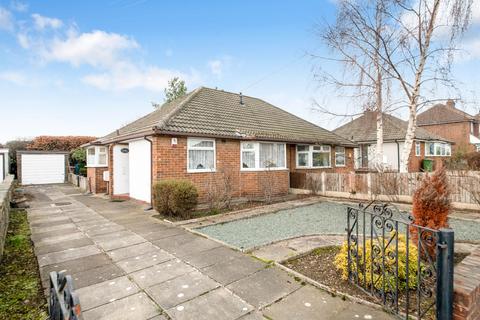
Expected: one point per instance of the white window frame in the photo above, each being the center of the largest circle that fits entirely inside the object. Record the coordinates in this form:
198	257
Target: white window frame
311	151
96	157
418	149
214	148
344	157
256	150
447	147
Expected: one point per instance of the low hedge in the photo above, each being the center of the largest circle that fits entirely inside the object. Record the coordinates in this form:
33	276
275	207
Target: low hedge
176	198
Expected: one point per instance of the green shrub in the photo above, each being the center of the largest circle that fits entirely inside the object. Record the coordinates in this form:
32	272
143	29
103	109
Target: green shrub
176	198
390	279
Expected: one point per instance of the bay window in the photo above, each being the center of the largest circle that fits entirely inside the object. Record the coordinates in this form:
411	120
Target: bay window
262	155
339	156
437	149
200	155
97	156
314	156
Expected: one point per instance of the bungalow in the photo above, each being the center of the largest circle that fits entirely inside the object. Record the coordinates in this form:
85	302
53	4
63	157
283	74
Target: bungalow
363	131
453	124
207	133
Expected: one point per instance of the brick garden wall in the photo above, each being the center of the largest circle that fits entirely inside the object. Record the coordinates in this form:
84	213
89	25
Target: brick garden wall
466	301
6	188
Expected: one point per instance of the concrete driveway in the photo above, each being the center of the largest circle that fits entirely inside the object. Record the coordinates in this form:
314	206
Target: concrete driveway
128	265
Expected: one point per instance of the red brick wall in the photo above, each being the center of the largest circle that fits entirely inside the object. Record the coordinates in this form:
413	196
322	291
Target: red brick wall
456	132
466	288
171	162
349	167
415	162
95	178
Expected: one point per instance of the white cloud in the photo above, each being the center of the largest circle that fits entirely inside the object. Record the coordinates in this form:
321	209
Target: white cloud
13	77
6	20
42	22
216	67
128	76
23	40
96	48
19	6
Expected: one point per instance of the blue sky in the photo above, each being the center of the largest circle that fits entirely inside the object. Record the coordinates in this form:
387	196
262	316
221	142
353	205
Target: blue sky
88	67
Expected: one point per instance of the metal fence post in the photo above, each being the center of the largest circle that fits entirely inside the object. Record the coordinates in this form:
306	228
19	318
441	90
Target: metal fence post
445	274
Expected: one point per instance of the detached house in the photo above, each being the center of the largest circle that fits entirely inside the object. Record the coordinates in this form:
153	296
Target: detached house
453	124
209	132
363	131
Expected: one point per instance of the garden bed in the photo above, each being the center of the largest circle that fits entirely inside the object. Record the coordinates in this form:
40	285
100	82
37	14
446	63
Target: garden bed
20	285
319	265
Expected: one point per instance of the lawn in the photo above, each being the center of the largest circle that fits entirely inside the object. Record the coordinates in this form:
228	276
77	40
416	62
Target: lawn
20	286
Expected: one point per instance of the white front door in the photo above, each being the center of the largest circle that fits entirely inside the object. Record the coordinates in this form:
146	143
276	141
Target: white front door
140	170
43	168
120	170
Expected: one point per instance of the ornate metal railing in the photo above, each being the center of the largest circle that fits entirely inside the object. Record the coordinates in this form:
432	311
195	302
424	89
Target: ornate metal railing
406	267
63	302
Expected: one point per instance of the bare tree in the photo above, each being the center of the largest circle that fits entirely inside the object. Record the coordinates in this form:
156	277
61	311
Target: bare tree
408	42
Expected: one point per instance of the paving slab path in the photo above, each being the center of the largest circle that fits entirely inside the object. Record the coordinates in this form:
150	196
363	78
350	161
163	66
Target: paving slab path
128	265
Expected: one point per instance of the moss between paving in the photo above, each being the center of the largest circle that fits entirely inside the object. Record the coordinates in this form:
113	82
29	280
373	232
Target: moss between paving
21	293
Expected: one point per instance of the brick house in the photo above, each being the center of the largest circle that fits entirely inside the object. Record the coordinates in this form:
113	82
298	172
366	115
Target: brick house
454	124
363	131
210	134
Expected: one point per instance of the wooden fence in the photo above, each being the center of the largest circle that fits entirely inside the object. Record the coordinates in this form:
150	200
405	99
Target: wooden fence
392	186
79	181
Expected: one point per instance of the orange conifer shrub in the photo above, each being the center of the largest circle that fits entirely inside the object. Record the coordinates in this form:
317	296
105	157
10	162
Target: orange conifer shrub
431	206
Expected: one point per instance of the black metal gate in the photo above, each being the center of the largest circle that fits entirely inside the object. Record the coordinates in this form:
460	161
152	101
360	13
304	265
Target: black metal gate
405	267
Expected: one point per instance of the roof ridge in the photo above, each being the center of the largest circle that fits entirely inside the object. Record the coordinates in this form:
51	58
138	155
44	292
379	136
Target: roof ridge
164	122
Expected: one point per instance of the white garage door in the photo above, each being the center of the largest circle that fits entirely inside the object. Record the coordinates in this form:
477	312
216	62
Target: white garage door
139	170
43	168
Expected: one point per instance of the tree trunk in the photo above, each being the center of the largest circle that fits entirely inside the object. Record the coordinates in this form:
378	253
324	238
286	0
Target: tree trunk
378	92
412	117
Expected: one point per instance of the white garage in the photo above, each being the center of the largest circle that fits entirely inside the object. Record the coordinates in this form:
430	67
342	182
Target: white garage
41	167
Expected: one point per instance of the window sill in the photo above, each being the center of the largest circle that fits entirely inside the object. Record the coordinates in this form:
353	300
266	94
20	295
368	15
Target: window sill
201	171
315	167
97	166
262	169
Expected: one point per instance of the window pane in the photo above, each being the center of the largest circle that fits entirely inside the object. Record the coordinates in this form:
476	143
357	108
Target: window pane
272	155
91	151
321	159
431	149
339	156
102	159
248	159
302	148
201	143
302	160
248	146
201	159
102	150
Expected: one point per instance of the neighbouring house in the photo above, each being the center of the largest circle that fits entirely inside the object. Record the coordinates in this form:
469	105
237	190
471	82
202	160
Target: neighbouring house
4	163
454	124
363	131
208	135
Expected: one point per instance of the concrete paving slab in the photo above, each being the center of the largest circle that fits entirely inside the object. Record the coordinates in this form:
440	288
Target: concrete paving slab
211	257
39	236
59	238
216	304
162	233
178	290
96	275
132	251
78	265
66	255
171	243
159	317
358	311
137	306
198	245
264	287
117	243
49	223
306	303
143	261
64	226
233	270
103	230
254	315
64	245
105	292
50	219
161	272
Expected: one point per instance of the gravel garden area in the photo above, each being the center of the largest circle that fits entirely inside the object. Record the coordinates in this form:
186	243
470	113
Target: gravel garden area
319	218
